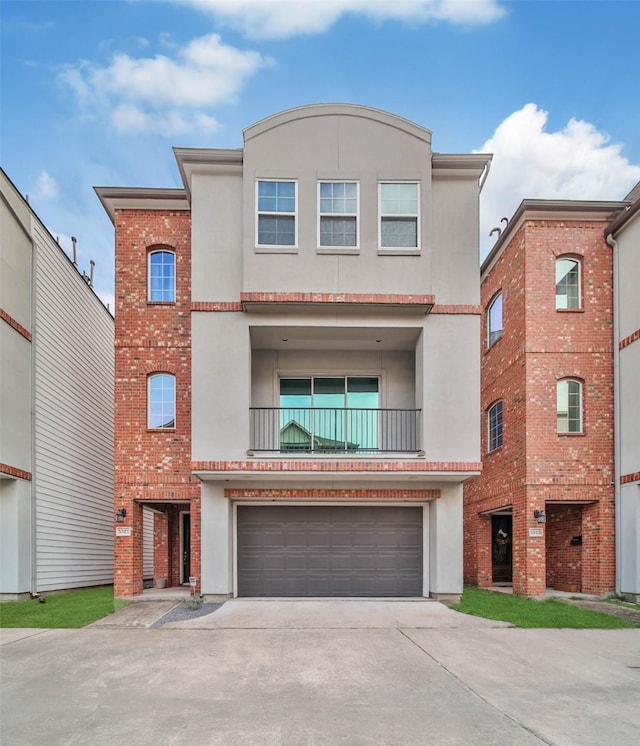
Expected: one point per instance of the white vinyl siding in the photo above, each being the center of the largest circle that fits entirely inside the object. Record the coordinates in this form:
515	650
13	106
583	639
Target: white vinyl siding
73	479
147	543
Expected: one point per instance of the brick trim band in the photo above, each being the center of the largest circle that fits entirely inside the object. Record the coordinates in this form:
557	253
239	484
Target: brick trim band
628	478
457	310
216	306
394	299
315	494
12	471
634	337
15	325
337	466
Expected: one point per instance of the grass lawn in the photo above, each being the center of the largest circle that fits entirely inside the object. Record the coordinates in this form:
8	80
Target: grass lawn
72	609
527	612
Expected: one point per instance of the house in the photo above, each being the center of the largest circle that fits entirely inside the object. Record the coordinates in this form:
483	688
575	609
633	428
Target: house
56	413
297	361
542	513
623	235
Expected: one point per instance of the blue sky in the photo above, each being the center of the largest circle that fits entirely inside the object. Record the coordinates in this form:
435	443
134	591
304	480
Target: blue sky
96	92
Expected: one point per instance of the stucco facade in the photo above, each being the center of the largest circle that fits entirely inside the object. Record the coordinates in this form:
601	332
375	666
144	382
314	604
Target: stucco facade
268	300
56	404
542	513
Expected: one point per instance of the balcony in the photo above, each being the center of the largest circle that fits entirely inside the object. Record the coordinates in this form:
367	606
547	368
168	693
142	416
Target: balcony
337	430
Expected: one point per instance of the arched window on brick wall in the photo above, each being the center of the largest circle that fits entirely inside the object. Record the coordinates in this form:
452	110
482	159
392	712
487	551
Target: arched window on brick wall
162	276
569	405
494	426
568	283
494	320
161	401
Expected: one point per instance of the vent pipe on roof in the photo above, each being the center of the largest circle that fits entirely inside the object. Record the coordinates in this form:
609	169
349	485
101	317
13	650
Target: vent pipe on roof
75	252
93	264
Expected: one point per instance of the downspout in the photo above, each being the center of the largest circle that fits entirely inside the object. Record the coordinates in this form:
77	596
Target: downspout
617	448
34	577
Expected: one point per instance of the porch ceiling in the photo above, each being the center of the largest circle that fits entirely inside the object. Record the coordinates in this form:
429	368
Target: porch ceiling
333	338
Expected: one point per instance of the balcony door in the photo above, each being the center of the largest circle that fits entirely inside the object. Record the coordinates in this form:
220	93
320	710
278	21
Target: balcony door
337	413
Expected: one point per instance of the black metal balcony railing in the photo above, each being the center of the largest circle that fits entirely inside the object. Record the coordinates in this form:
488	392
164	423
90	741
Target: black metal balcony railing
334	430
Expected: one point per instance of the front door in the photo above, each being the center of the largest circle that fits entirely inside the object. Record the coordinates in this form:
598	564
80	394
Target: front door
501	536
186	546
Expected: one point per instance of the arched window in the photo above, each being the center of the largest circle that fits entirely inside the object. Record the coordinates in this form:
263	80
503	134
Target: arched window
569	406
162	276
568	293
494	426
161	402
494	320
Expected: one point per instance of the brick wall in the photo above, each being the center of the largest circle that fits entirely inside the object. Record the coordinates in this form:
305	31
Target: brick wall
536	464
152	337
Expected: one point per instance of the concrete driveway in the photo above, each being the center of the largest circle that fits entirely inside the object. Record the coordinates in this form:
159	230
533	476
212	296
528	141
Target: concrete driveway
321	673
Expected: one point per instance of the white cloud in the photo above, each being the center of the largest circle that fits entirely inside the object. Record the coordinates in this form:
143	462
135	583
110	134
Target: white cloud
280	19
576	162
164	94
46	186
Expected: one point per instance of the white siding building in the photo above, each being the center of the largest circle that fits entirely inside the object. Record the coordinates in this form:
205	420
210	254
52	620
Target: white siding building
624	236
56	414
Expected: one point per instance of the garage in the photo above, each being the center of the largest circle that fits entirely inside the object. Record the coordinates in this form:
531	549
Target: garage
301	550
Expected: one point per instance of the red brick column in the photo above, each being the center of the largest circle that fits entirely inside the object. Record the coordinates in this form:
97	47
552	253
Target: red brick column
161	548
128	566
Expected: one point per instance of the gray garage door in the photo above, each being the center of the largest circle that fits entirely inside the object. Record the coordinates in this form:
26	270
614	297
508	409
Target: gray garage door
329	551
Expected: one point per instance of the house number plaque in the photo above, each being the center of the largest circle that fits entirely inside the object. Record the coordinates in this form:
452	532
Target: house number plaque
123	531
536	532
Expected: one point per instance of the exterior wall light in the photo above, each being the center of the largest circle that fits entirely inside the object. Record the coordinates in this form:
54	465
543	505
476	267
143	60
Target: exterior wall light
540	516
120	515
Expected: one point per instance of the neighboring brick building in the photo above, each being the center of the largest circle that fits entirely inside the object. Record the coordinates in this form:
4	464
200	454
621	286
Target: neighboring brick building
297	361
542	512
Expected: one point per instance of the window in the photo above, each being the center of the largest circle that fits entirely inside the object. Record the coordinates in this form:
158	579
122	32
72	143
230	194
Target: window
161	402
494	321
339	413
399	213
495	426
162	276
338	210
569	406
276	213
568	283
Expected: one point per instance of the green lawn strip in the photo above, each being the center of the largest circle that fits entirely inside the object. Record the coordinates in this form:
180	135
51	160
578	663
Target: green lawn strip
527	612
61	610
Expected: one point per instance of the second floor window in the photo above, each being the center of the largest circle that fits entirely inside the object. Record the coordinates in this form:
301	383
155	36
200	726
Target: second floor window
276	213
338	213
399	215
494	321
161	402
162	276
569	406
568	283
495	426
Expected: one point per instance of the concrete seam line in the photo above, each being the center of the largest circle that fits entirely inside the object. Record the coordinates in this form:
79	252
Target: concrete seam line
473	691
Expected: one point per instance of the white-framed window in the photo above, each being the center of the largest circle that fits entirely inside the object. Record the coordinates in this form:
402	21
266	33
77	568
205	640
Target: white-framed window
569	405
568	282
161	401
399	215
494	426
276	219
162	276
338	208
495	326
